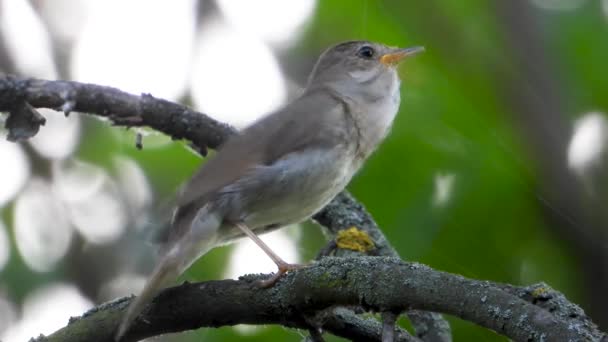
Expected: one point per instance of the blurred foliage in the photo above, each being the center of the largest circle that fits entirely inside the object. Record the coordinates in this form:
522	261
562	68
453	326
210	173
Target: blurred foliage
453	121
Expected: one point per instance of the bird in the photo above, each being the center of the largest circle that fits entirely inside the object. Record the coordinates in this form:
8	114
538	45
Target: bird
285	167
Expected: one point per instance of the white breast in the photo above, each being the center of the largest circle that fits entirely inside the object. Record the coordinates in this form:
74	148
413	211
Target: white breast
376	117
299	185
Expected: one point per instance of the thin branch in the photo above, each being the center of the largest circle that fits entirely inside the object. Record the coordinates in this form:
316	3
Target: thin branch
344	322
430	326
124	109
389	320
315	335
374	283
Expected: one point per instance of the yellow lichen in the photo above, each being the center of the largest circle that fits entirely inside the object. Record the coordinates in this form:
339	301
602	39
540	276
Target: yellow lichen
538	292
354	239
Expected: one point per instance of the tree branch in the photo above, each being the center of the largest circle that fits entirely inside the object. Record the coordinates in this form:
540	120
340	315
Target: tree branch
377	284
344	212
121	108
374	283
19	97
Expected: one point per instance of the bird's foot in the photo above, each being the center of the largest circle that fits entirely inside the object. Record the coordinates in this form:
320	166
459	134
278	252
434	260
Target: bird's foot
283	268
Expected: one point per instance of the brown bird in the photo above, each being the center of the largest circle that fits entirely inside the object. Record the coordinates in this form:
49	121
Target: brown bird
287	166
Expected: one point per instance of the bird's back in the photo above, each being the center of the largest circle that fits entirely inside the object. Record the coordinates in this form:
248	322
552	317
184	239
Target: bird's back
265	144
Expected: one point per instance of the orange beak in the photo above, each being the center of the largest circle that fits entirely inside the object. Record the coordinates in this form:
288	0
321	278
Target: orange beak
396	56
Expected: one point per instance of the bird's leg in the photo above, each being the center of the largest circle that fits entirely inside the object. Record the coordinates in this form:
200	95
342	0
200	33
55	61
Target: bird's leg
283	266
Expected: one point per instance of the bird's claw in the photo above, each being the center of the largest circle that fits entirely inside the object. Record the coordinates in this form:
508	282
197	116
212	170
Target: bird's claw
283	268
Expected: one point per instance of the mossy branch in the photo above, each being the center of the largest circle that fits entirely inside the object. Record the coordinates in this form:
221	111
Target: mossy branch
308	298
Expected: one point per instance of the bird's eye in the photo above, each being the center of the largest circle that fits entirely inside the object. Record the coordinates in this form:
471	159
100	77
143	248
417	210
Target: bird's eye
366	52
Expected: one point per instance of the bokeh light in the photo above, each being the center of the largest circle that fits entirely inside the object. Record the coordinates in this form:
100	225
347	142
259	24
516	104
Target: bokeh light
14	177
8	313
444	186
22	31
588	141
100	218
247	257
97	213
65	27
58	138
125	283
262	19
134	183
235	77
46	310
5	251
42	230
150	54
75	180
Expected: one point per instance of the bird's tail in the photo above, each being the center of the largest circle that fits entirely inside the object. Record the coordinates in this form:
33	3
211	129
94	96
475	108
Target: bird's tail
195	241
163	275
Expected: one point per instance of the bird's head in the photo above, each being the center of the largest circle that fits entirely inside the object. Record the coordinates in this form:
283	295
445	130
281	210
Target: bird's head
359	63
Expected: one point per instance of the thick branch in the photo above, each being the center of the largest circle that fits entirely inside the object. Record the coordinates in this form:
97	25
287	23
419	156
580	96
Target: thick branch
344	212
20	96
374	283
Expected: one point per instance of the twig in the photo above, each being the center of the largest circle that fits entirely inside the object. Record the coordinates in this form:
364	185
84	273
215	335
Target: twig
389	320
315	335
344	322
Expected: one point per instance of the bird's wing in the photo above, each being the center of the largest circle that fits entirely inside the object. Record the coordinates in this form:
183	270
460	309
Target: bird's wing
297	126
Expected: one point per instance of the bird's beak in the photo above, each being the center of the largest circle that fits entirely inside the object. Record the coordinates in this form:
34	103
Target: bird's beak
394	57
